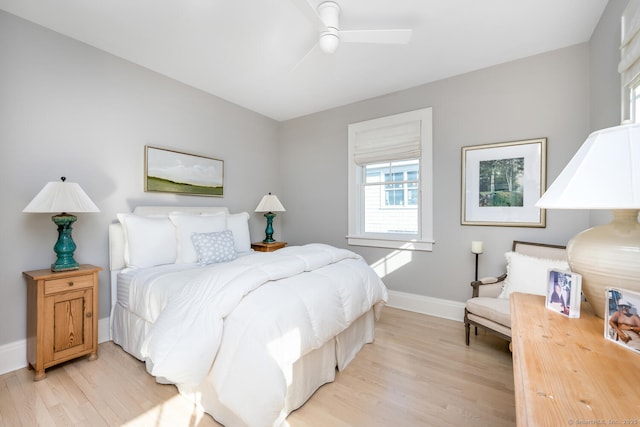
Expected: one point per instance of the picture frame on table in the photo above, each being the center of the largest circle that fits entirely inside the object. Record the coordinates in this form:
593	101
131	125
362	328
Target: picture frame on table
170	171
502	182
564	292
622	320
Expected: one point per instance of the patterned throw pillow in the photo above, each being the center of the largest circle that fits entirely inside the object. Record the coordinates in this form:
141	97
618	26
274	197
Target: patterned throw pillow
214	247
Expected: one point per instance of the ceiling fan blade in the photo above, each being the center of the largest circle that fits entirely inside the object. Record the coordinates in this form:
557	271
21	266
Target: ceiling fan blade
376	36
310	12
305	57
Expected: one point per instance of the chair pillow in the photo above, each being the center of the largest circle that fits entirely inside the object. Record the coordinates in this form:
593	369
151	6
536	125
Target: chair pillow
528	274
214	247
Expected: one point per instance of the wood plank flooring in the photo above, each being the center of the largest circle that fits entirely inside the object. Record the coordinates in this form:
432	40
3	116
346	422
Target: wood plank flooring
417	373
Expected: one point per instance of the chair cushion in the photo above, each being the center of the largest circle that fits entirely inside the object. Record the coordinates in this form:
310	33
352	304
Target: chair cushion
494	309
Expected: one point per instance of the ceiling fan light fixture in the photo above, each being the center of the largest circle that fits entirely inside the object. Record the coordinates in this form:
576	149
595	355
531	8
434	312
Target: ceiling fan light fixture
329	42
329	13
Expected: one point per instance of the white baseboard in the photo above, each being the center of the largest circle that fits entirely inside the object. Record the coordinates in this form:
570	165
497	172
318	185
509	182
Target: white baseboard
14	355
446	309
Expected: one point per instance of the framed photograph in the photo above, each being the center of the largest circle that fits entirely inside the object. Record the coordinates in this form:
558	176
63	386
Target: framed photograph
502	182
621	320
564	292
170	171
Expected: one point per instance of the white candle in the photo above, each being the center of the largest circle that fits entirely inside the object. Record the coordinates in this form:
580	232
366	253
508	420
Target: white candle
476	247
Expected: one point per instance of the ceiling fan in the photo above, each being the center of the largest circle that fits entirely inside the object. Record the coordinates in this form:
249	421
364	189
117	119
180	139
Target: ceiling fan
327	18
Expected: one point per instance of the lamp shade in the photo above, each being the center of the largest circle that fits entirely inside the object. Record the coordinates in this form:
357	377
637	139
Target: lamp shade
603	174
270	203
61	197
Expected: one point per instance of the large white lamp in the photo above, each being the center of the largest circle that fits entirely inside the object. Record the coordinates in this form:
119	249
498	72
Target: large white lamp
603	174
269	204
65	197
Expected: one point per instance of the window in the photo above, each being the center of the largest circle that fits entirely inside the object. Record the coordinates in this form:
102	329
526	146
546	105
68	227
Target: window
390	182
629	66
634	112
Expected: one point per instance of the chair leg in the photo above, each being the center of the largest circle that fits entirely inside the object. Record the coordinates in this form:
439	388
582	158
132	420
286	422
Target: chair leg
467	330
476	331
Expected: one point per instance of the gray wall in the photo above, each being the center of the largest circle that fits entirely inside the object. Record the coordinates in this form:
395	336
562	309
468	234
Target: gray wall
67	109
604	79
541	96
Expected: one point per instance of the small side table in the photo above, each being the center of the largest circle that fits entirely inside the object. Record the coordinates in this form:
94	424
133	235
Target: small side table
268	247
62	316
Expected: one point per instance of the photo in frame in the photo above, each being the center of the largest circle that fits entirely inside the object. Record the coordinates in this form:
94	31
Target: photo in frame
502	182
170	171
621	319
564	292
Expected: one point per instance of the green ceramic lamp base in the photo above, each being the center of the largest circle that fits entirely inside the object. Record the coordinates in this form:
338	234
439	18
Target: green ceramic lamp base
269	230
65	246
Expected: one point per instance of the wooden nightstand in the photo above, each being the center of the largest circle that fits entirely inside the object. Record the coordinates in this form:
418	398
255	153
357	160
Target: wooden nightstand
62	316
268	247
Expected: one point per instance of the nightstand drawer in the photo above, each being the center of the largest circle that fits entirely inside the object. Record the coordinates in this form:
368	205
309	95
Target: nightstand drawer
67	284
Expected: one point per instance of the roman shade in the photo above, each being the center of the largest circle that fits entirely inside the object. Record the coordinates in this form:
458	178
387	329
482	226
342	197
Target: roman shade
629	66
395	142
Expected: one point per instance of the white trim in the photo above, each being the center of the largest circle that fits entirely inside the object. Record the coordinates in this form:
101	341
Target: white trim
446	309
355	211
409	245
13	356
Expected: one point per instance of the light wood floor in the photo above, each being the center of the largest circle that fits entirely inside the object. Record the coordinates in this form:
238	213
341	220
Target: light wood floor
417	373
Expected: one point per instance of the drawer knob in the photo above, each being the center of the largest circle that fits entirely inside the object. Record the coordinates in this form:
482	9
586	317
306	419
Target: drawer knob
89	314
70	284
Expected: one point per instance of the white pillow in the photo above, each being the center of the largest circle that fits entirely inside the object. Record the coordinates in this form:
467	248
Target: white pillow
186	224
239	225
214	247
528	274
149	241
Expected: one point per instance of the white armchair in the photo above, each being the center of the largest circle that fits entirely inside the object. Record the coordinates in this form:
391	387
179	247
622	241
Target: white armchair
527	267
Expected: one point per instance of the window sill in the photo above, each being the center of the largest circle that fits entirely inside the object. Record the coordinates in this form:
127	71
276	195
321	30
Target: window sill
409	245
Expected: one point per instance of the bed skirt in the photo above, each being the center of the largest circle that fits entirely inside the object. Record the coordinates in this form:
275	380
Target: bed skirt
311	371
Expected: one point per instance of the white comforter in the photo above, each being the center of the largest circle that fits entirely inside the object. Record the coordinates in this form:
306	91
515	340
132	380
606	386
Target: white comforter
292	301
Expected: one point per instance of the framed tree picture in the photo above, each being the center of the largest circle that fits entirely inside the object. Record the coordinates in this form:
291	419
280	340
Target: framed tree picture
502	182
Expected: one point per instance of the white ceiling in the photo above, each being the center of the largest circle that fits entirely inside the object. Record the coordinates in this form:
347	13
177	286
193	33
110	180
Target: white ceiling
250	52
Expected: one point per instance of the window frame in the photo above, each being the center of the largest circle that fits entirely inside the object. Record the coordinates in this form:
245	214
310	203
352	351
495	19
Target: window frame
423	240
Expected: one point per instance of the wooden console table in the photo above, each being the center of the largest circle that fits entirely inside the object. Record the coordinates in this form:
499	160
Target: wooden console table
566	373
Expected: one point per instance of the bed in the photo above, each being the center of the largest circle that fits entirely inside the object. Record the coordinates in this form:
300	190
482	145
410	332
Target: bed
248	336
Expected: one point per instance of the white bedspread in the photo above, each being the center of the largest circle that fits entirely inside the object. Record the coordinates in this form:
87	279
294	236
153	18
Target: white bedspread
310	294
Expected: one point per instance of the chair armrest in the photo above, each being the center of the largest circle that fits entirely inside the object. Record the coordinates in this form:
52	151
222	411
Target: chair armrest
487	285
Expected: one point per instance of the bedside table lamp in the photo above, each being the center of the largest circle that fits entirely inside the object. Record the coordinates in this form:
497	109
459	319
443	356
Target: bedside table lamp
62	197
269	204
603	174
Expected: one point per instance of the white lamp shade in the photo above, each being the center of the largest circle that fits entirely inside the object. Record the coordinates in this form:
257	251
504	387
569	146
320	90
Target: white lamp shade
270	203
62	196
476	247
603	174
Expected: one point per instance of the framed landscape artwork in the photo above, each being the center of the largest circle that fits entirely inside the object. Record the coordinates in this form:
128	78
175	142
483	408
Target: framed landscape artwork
502	182
170	171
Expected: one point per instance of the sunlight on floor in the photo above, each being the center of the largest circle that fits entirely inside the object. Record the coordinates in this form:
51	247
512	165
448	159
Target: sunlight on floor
392	262
176	411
